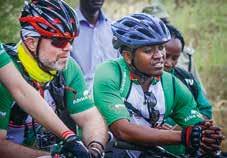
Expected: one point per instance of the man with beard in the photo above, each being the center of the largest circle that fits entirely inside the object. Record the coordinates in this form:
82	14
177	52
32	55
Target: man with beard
94	43
48	28
135	95
28	99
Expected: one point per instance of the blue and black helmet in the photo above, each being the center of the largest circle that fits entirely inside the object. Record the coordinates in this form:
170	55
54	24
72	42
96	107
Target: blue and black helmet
139	30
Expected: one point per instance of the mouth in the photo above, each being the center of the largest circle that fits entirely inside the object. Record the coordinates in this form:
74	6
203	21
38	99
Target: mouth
167	68
158	65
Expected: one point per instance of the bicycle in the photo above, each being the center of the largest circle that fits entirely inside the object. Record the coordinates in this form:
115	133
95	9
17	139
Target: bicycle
159	152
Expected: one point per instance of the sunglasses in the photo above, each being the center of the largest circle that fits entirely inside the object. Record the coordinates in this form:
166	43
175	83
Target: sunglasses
151	102
61	42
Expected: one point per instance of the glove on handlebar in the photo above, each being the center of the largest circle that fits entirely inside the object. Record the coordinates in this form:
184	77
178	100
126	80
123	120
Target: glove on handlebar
191	137
72	146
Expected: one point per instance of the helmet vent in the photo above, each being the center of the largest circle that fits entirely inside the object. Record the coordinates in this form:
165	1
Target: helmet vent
136	37
163	27
145	32
128	24
120	32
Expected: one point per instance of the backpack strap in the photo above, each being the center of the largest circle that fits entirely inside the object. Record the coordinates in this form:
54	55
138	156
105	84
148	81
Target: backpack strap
188	80
57	90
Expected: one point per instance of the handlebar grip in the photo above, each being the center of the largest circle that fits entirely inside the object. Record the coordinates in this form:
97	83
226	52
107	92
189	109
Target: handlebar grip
128	146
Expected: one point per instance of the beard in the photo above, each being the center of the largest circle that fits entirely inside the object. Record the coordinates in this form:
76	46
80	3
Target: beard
56	65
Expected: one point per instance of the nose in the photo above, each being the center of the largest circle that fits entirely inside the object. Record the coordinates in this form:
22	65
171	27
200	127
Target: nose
68	47
158	54
168	63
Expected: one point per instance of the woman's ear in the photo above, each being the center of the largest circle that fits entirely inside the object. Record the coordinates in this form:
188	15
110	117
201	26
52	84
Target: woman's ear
31	43
127	56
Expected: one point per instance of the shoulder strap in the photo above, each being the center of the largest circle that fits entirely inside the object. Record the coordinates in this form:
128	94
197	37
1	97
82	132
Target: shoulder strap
57	90
133	110
183	76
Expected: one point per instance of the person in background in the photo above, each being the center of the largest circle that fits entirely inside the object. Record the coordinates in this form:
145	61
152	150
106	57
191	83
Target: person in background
185	60
94	43
174	48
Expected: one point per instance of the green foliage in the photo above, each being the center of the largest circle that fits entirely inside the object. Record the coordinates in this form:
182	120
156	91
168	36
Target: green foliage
204	26
203	23
10	11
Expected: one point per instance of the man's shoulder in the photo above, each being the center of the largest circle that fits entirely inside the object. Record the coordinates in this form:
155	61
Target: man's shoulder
72	71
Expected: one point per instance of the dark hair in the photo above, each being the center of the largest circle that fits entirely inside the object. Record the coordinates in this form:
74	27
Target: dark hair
175	33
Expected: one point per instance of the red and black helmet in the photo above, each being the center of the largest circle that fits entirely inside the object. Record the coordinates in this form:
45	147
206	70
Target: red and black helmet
50	18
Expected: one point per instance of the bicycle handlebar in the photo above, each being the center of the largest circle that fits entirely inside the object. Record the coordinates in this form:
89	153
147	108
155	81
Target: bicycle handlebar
153	150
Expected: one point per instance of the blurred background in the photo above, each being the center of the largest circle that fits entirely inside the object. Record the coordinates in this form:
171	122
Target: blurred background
203	24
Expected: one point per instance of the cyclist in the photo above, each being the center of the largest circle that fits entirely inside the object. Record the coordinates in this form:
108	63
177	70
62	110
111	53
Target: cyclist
173	49
134	94
24	94
42	57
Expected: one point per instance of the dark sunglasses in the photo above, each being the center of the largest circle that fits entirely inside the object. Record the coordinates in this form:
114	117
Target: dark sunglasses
61	42
151	102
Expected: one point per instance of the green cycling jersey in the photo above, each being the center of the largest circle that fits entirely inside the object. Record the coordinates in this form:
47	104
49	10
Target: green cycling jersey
112	87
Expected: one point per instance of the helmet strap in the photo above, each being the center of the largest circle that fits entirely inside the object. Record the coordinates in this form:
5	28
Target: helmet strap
143	76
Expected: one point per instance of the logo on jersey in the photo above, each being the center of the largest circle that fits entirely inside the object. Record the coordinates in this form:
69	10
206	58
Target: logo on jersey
189	82
118	107
2	114
85	96
193	114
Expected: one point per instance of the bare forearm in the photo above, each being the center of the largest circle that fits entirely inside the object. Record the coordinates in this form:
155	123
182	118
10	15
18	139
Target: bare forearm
95	130
146	135
30	100
41	111
93	126
9	149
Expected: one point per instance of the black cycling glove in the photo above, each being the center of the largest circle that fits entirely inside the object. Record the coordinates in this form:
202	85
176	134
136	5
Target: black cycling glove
73	147
191	137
